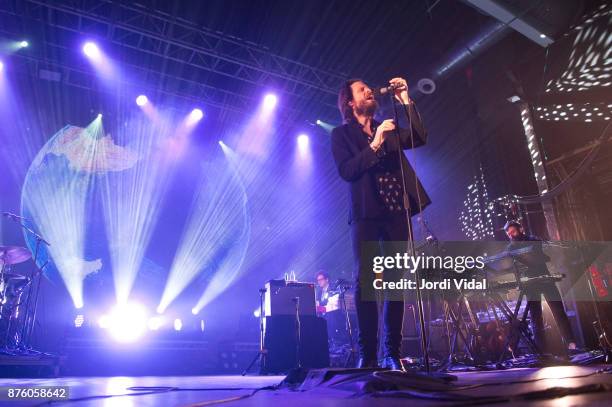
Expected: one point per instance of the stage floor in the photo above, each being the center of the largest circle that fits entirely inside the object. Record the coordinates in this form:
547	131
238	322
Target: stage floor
195	391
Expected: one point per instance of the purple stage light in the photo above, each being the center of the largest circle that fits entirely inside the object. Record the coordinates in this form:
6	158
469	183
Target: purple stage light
142	100
127	322
270	101
303	141
91	50
196	115
155	323
1	66
178	324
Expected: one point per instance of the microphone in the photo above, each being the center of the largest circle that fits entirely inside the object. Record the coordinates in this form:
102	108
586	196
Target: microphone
384	90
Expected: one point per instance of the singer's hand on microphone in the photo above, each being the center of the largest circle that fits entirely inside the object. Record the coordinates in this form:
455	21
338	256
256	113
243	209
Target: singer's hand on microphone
401	90
379	137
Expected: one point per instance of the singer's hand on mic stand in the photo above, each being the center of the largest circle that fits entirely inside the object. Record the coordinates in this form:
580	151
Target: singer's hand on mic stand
401	90
379	137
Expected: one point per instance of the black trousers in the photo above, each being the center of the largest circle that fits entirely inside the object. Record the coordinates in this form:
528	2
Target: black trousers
392	229
553	298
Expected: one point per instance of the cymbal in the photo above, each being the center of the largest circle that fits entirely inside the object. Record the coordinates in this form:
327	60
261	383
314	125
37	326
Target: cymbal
13	255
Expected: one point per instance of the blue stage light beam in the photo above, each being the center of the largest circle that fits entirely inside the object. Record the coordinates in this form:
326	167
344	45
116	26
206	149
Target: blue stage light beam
215	237
256	136
325	126
101	63
54	197
302	161
132	198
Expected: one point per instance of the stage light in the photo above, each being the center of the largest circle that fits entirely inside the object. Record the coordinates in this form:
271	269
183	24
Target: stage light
178	324
127	322
303	141
1	66
104	321
202	325
270	101
196	115
23	44
325	126
99	116
155	323
91	50
78	321
257	312
194	311
141	100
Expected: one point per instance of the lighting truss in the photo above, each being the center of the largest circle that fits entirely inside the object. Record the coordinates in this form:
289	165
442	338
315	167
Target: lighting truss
157	34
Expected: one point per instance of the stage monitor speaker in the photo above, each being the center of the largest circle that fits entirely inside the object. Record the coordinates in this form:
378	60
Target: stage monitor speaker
280	343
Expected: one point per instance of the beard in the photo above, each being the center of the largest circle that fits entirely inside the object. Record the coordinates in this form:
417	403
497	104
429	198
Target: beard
366	107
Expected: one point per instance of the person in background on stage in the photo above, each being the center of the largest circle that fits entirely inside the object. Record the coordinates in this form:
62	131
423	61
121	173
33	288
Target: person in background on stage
536	267
367	158
322	291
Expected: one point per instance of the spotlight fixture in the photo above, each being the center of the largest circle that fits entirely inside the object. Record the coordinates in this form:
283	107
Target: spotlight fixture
142	100
196	114
178	324
24	44
91	50
270	101
303	141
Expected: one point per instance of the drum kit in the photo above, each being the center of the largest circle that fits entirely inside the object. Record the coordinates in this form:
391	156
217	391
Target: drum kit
12	287
18	294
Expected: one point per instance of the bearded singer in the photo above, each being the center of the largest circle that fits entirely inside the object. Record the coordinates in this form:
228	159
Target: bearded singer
366	155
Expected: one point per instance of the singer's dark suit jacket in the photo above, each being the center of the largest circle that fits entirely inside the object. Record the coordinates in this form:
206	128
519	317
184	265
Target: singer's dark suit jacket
358	164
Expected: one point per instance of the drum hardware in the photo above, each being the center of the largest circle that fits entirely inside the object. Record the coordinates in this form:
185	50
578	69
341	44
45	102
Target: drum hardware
12	254
12	286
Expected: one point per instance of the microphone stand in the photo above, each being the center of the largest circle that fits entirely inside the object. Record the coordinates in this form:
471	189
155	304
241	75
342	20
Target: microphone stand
411	249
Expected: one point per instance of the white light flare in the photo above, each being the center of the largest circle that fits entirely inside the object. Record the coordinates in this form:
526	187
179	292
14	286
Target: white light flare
127	322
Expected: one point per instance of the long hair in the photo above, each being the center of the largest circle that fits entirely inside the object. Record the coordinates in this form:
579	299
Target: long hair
345	95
